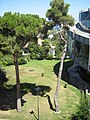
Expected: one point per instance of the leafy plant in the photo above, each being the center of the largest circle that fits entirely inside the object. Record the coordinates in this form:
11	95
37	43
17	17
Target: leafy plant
22	61
7	60
82	111
49	57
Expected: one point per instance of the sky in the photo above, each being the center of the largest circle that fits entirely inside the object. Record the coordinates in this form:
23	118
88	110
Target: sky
40	7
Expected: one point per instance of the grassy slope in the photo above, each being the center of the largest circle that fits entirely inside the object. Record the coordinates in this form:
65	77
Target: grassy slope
30	75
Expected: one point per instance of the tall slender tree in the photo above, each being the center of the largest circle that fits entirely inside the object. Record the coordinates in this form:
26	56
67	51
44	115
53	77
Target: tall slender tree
16	30
58	15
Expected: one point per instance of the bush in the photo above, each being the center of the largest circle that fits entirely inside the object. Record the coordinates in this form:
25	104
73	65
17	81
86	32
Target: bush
83	110
49	57
27	57
58	57
22	61
33	56
7	60
34	50
39	52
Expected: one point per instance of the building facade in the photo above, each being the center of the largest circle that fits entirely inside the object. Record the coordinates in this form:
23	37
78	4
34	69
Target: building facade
79	41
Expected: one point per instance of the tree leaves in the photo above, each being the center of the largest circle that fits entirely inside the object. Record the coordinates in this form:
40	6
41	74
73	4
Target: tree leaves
18	29
58	13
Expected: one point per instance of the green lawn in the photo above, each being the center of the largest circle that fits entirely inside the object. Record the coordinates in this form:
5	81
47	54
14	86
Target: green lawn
31	78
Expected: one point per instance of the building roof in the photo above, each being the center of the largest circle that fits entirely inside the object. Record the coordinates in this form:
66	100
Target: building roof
79	32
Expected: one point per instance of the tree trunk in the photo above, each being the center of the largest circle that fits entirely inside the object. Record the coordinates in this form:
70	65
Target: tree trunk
17	82
57	109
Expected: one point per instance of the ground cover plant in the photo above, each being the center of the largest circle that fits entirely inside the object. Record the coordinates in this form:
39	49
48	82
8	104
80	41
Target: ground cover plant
37	73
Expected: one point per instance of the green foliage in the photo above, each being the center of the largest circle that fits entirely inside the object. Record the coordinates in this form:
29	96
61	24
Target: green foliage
49	57
7	60
58	16
42	52
1	55
34	50
59	49
44	49
3	78
46	43
83	111
26	57
47	26
22	61
58	46
17	30
58	13
39	52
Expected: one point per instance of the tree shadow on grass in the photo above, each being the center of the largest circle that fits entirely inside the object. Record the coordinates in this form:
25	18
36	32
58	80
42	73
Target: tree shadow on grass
66	65
8	94
74	81
50	103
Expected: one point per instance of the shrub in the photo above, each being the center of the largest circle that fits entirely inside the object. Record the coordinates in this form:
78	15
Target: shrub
27	57
49	57
22	61
82	111
7	60
39	52
34	50
33	55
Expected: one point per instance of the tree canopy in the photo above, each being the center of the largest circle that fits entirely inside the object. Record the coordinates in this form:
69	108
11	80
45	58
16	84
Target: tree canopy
18	29
58	13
